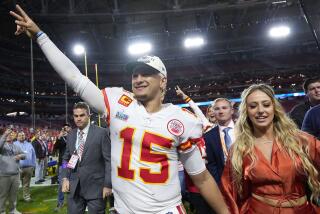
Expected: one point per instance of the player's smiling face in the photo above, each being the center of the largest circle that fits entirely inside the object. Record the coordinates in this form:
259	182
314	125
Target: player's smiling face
146	86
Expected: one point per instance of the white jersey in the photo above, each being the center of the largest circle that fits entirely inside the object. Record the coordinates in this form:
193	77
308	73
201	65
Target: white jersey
145	149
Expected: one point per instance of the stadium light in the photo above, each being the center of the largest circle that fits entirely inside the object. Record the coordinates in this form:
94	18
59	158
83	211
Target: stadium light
79	49
193	42
139	48
279	32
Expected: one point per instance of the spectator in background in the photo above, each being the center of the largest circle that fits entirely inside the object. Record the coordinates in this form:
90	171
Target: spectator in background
60	147
311	122
27	165
210	115
10	155
41	152
311	87
220	138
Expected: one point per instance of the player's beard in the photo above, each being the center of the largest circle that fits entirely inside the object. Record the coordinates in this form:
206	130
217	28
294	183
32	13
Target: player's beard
141	98
152	94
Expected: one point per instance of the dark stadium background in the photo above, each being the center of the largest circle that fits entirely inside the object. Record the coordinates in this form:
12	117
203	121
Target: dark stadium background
237	52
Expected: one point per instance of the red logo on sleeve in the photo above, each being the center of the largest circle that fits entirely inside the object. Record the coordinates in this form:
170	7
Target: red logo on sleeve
125	100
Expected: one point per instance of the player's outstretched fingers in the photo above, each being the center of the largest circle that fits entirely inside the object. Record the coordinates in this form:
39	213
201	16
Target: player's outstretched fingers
21	11
22	23
17	16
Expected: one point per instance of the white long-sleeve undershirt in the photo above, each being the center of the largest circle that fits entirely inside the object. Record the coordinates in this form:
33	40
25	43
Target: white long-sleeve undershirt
197	111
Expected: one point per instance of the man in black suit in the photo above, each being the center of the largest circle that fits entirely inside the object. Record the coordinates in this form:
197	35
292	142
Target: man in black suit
87	164
220	138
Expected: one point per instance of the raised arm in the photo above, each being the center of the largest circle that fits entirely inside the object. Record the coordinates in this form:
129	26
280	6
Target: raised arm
62	65
193	106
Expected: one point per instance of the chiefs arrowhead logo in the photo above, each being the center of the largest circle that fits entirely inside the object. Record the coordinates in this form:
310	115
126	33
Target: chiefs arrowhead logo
175	127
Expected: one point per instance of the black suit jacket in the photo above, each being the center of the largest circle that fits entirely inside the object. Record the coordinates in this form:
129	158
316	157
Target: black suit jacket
39	150
215	155
93	172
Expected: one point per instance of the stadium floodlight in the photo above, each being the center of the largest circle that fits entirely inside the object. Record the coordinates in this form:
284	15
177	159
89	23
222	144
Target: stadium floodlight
139	48
193	42
79	49
279	32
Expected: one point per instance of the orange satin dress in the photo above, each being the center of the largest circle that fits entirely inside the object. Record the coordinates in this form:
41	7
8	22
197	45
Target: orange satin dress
279	180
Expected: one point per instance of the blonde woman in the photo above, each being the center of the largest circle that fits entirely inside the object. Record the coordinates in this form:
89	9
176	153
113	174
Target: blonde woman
272	163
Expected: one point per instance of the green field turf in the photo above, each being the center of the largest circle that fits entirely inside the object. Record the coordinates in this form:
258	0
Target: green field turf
44	200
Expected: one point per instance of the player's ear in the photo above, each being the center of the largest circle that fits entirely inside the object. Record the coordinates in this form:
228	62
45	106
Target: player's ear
163	87
163	82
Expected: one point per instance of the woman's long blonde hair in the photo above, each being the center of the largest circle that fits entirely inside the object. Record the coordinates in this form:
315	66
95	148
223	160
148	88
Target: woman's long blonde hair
286	133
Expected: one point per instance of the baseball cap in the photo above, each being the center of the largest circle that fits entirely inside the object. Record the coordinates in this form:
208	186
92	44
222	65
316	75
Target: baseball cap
151	61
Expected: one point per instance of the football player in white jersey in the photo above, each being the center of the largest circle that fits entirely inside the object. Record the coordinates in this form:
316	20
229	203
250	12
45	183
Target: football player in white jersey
147	137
